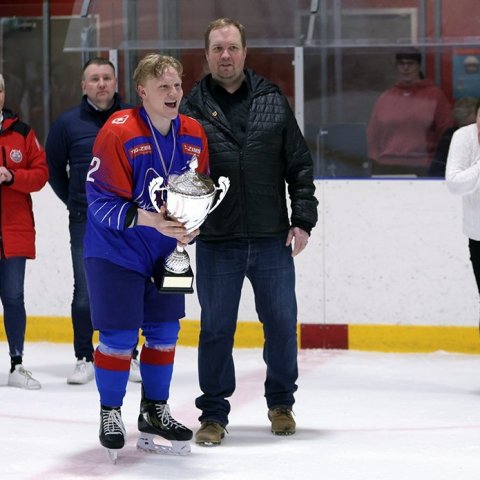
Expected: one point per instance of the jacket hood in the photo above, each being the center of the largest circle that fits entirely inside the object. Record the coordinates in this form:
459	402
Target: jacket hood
258	86
425	83
9	119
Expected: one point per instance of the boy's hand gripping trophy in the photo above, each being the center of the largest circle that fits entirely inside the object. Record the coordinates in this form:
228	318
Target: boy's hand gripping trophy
190	197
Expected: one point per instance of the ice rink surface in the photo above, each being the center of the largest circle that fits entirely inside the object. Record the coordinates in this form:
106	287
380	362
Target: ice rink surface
359	416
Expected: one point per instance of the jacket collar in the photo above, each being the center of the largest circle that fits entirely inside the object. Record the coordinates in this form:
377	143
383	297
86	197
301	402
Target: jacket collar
257	84
9	118
87	106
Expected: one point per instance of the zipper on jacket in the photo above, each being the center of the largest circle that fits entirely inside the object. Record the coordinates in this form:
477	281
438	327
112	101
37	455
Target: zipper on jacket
243	193
215	118
4	163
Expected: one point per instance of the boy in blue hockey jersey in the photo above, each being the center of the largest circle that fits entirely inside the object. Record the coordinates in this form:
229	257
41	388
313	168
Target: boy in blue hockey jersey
126	238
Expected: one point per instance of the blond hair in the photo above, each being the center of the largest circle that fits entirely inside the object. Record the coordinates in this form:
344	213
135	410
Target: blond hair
154	65
2	82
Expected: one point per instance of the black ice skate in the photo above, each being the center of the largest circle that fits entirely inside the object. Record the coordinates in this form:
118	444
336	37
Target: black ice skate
155	419
112	431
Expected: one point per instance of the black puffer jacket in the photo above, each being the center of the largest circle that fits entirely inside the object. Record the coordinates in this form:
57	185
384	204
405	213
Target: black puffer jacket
274	152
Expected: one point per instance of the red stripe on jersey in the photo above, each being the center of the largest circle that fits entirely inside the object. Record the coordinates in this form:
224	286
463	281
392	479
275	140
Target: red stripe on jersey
152	356
119	363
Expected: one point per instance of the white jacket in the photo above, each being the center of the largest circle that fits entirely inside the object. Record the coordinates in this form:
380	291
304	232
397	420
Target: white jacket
463	176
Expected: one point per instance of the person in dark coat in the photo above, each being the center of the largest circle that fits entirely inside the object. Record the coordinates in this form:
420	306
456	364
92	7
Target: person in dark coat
255	141
69	153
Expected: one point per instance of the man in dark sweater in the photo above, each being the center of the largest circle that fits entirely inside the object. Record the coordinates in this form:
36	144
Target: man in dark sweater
69	153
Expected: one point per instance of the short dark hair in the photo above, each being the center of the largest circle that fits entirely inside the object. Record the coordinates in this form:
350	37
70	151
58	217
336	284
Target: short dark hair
224	22
409	54
97	61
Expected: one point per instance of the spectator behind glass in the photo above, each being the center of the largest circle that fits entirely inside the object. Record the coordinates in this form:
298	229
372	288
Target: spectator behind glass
254	140
463	178
463	114
407	121
23	170
69	153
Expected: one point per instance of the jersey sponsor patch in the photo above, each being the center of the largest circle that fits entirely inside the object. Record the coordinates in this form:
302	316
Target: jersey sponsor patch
191	149
142	149
120	120
15	155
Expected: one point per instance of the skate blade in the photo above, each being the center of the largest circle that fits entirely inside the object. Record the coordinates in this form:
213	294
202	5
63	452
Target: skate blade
146	442
112	455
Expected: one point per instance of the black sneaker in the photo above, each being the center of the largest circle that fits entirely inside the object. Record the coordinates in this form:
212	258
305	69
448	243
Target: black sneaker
112	431
155	419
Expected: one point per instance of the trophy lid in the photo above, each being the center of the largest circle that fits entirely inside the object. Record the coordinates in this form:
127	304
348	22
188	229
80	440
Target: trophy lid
191	183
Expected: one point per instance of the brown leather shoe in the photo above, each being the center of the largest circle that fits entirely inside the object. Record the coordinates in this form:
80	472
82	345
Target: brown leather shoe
209	434
282	421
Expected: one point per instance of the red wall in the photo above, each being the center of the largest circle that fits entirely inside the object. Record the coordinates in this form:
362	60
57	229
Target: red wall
33	8
460	19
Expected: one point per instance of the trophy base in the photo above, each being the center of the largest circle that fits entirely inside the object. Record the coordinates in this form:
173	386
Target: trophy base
168	282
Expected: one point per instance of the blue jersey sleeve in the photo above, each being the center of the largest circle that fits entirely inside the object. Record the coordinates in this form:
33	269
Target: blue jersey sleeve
109	182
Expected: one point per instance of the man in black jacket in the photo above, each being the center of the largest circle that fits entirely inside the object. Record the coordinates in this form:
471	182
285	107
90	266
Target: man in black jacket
255	141
69	153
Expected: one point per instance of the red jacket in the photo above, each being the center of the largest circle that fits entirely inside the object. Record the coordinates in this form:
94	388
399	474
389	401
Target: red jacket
23	155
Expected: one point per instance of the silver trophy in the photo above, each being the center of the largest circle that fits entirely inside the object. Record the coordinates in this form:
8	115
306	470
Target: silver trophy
190	197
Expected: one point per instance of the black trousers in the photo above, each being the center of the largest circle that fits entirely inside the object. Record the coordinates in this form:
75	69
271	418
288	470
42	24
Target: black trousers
474	247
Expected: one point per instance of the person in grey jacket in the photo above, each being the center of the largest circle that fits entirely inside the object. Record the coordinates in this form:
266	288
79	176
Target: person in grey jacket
255	141
69	153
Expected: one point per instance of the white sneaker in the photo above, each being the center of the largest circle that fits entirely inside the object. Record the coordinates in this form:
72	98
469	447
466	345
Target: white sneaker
135	375
83	373
22	378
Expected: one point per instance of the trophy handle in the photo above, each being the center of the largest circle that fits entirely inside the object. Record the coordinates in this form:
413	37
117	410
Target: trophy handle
224	185
155	186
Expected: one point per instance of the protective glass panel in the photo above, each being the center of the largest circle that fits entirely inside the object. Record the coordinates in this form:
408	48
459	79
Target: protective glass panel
348	49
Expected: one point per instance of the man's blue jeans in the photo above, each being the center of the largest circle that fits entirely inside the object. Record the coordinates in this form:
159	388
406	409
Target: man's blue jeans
221	270
82	324
12	279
